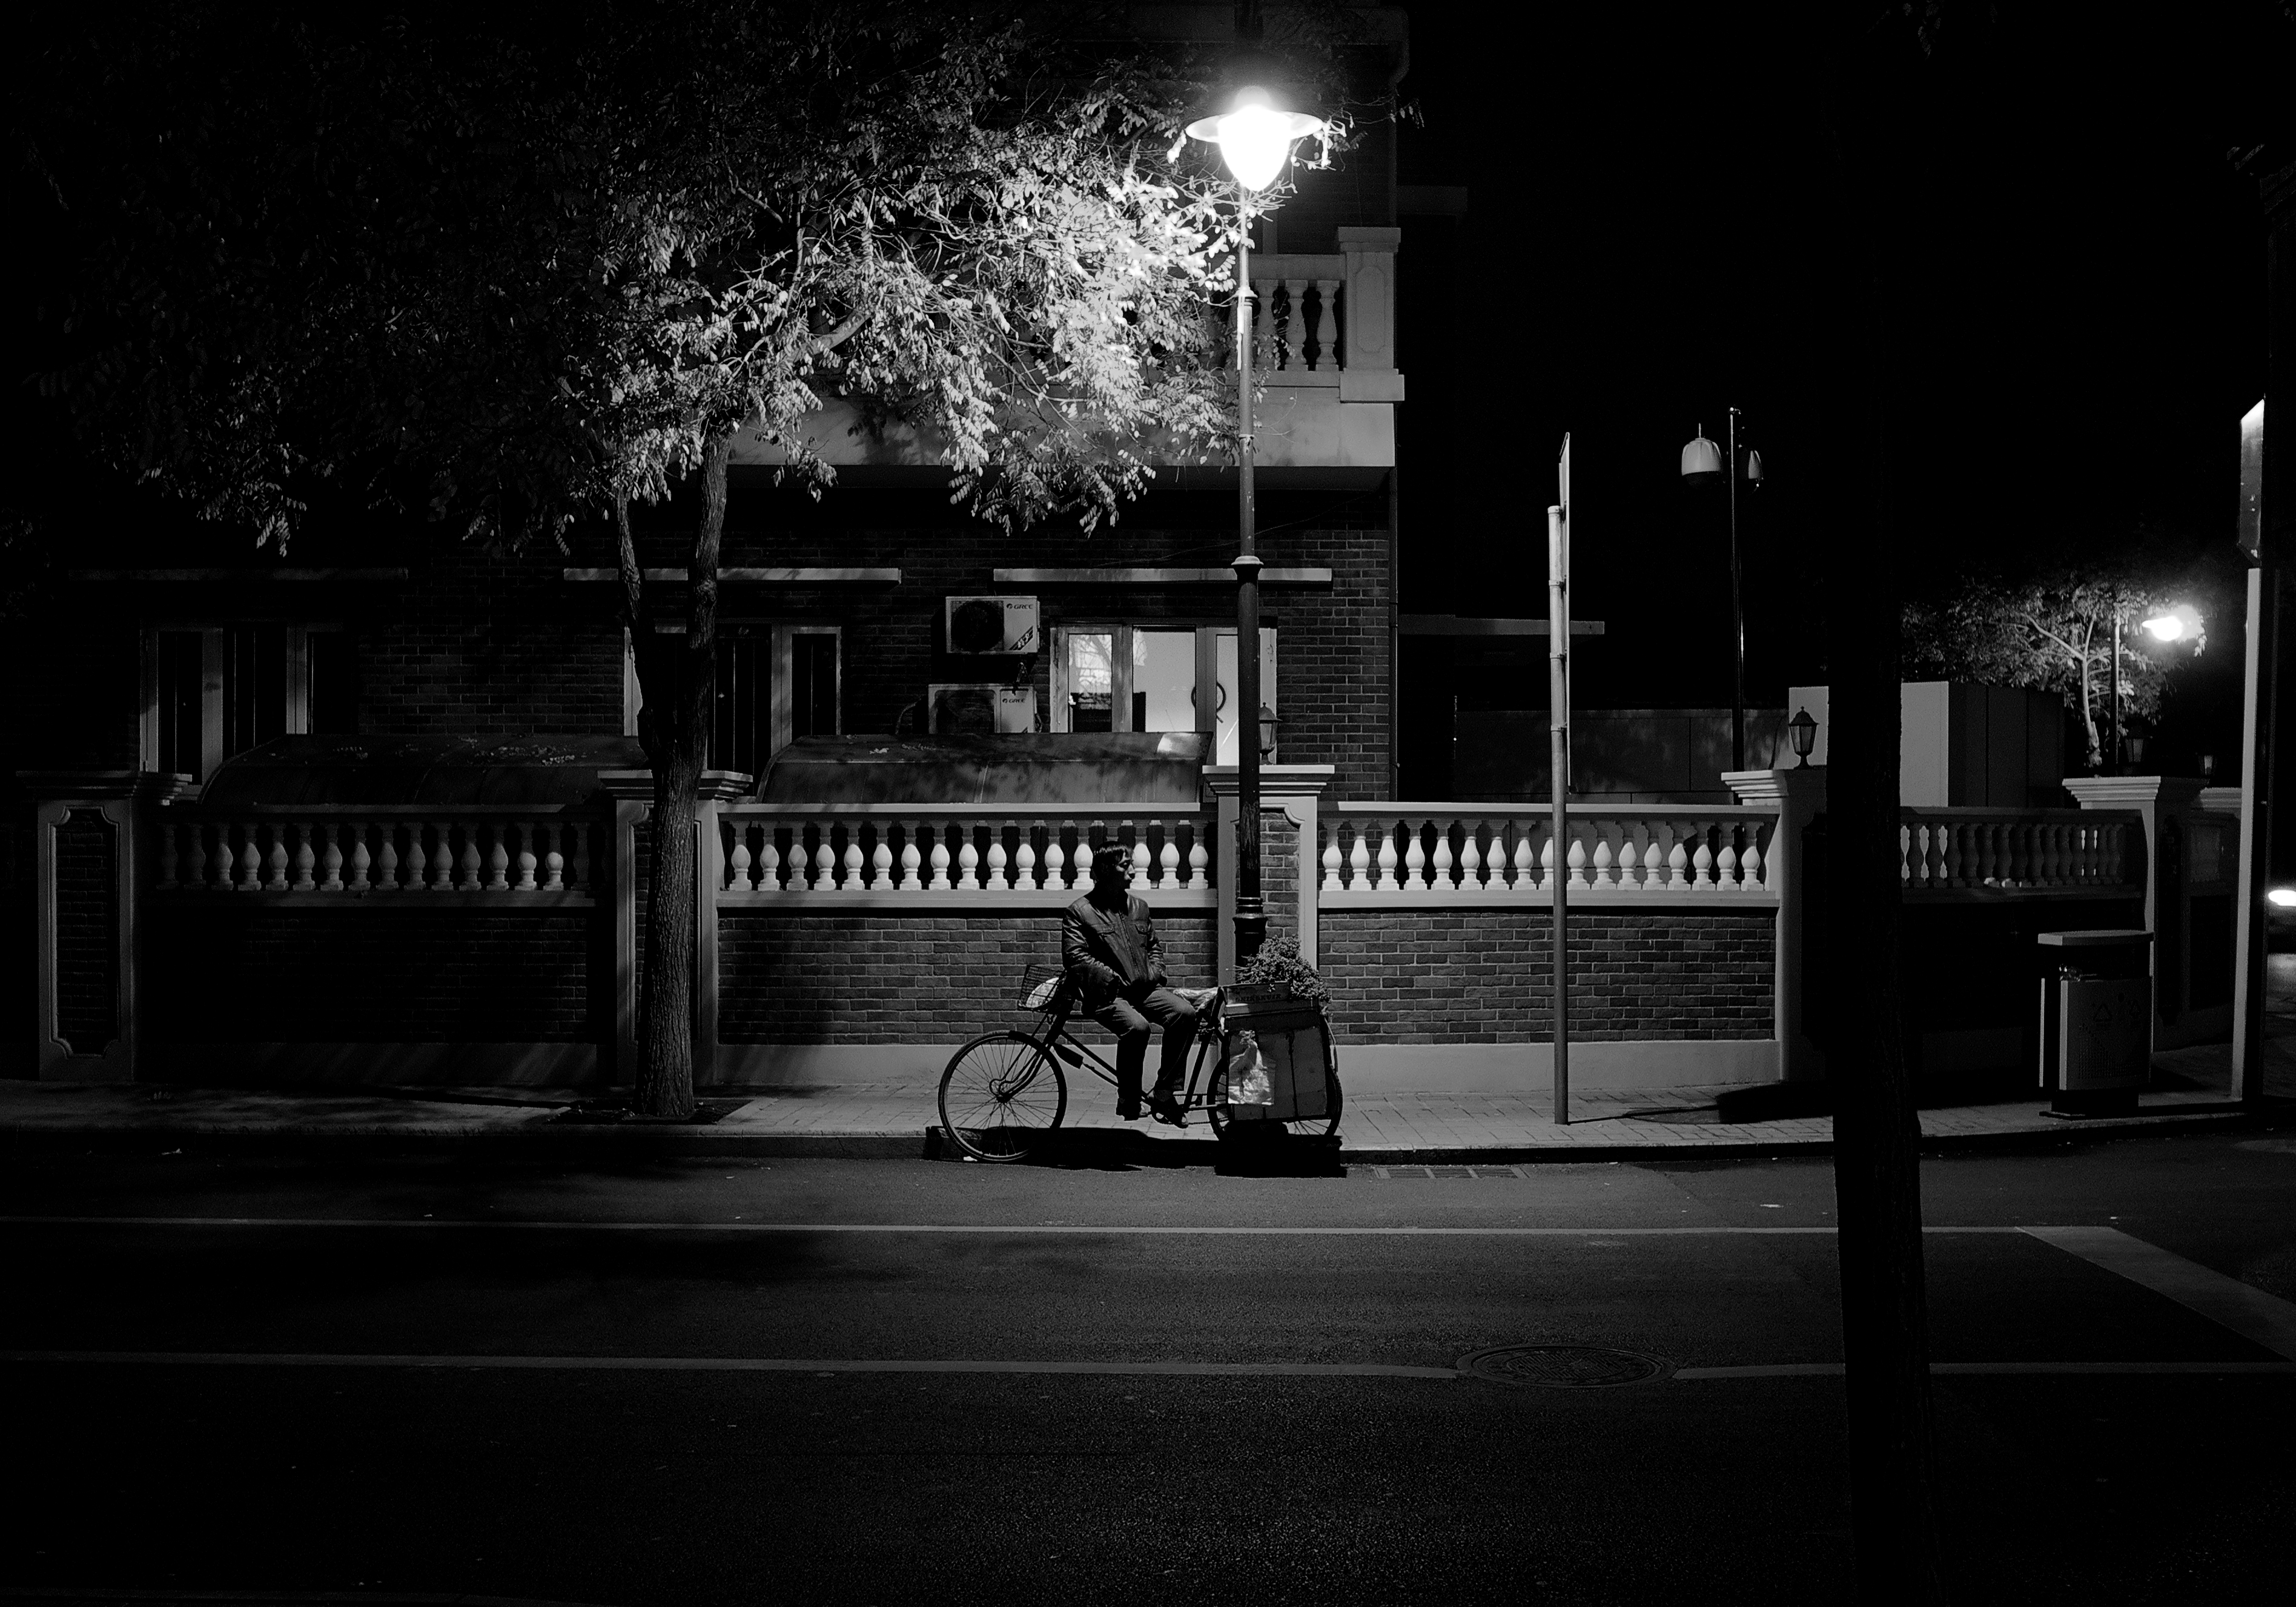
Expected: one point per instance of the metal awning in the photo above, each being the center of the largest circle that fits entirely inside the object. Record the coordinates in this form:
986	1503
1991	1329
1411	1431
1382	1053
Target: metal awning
1141	767
300	770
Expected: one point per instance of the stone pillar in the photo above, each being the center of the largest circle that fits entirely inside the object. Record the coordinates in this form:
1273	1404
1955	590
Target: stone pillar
1290	798
93	862
1800	797
2166	804
615	881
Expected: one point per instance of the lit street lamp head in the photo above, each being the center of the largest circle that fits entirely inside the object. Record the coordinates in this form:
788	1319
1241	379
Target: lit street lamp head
2181	623
1255	139
1701	460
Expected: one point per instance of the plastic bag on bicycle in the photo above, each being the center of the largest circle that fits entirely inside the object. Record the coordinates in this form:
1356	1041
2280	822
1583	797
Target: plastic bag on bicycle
1248	1082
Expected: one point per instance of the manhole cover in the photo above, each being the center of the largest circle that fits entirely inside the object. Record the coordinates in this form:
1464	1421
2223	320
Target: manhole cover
1564	1366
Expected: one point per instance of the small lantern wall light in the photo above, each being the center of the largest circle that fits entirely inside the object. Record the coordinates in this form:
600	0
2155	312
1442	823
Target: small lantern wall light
1803	731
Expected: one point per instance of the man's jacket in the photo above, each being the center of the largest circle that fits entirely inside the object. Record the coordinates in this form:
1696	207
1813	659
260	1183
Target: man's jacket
1106	952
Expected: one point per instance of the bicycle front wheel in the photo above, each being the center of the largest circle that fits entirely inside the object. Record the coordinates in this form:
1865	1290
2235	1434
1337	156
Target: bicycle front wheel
1001	1094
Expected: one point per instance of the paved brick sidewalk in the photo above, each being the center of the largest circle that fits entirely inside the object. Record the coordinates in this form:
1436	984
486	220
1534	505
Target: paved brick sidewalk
892	1119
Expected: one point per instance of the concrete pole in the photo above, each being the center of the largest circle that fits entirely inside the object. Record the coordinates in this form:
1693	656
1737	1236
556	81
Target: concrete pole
1250	914
1558	726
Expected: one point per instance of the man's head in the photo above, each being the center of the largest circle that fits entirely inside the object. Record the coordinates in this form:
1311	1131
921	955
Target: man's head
1112	870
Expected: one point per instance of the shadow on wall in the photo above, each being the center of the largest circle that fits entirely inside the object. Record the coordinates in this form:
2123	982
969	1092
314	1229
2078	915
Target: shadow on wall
1620	754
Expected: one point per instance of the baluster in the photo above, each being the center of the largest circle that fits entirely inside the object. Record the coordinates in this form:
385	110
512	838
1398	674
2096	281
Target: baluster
274	867
1650	857
1547	860
195	857
1702	864
1677	858
331	857
1167	859
1332	859
1525	877
554	859
1295	324
414	855
1470	859
1200	860
1438	872
1605	861
1057	855
880	858
1725	863
940	880
1360	879
247	864
998	860
2061	855
1414	858
967	862
1139	855
1321	353
1576	866
850	881
1385	882
527	860
483	869
305	859
737	855
825	858
361	862
1753	868
1263	325
769	856
912	858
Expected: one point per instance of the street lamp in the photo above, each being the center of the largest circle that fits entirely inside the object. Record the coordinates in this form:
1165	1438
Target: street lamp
1255	140
2182	623
1702	464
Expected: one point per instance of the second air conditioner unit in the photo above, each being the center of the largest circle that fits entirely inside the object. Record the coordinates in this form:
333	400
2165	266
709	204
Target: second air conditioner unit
993	625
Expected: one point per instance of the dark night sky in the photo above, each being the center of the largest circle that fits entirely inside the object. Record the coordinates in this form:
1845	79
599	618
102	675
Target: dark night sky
1651	238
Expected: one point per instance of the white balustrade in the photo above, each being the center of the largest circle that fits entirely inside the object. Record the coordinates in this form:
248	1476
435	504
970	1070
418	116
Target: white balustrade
337	851
1966	851
1434	850
928	852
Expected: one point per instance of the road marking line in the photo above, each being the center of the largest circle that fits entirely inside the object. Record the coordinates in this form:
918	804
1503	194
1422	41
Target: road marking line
730	1364
1938	1369
740	1363
1150	1231
2248	1311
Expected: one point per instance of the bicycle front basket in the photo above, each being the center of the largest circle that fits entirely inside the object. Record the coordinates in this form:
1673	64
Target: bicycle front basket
1043	986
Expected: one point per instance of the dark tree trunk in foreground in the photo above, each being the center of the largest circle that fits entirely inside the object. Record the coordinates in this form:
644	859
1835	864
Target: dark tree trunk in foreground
1877	1162
674	725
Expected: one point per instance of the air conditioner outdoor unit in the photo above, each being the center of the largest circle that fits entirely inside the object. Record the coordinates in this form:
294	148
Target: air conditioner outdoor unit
993	625
981	710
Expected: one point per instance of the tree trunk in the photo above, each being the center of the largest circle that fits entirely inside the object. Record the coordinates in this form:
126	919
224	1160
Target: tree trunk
1877	1173
675	727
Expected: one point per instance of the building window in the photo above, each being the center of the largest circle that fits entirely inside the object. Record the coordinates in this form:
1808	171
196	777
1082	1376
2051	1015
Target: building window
214	691
1145	678
775	683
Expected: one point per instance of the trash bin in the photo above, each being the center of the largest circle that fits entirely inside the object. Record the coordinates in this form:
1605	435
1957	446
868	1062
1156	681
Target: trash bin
2096	1019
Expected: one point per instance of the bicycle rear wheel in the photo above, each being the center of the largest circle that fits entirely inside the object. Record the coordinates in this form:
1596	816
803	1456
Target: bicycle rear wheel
1001	1094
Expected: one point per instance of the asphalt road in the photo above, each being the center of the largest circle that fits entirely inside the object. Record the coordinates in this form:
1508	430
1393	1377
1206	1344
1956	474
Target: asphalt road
886	1381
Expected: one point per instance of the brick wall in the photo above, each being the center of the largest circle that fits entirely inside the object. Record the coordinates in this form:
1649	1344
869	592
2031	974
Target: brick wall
363	975
486	645
887	979
1483	976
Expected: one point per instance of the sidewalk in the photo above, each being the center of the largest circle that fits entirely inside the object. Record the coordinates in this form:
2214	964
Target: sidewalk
898	1120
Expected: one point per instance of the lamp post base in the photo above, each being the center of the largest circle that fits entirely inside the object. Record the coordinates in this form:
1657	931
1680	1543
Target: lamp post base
1250	930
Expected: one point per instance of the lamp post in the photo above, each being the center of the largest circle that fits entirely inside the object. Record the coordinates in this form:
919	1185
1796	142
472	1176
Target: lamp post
1703	464
1255	141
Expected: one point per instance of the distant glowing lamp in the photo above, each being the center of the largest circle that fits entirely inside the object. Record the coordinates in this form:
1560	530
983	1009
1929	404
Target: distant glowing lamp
2283	898
1255	140
2181	623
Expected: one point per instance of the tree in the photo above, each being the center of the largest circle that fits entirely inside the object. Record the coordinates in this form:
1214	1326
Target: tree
2055	633
525	270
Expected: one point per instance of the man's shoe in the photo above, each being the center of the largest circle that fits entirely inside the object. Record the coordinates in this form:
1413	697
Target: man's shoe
1168	1110
1128	1107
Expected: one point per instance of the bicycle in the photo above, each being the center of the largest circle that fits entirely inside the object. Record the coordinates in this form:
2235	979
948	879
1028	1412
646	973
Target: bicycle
1005	1092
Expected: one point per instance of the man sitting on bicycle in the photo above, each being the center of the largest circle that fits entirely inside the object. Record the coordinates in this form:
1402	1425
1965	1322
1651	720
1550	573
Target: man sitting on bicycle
1108	948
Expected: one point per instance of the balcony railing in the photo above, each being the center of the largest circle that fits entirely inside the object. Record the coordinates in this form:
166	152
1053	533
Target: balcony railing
347	851
1498	853
1980	852
944	853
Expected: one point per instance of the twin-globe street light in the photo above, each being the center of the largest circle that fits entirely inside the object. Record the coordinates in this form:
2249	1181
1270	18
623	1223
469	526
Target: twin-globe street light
1255	140
1703	464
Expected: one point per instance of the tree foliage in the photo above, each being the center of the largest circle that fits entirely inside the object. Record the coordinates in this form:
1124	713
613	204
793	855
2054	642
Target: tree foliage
2055	633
